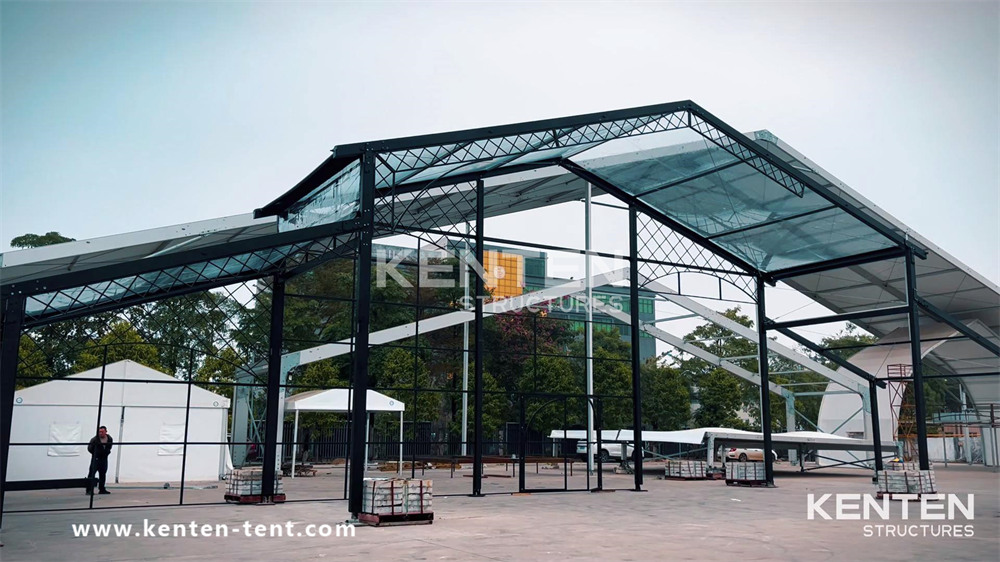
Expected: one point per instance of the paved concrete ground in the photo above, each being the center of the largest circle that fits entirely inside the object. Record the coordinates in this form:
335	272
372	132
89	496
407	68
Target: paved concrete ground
697	520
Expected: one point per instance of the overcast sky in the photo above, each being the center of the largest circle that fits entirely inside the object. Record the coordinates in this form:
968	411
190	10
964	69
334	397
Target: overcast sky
124	116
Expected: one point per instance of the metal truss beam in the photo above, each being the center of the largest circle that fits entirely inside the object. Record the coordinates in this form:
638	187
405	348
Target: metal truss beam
875	313
829	265
830	356
687	347
751	334
801	177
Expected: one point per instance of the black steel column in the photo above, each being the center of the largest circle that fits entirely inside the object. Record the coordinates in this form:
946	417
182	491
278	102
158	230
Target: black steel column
522	444
363	286
271	421
477	447
13	318
765	391
599	428
633	260
876	430
917	367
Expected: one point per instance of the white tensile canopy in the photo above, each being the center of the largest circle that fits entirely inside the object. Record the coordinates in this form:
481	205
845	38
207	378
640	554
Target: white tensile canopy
339	400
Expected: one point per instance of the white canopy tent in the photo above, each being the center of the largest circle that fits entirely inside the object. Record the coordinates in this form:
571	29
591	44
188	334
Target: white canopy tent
339	400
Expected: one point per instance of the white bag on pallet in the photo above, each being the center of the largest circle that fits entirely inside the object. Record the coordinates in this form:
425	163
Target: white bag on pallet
686	469
746	471
249	482
385	496
907	482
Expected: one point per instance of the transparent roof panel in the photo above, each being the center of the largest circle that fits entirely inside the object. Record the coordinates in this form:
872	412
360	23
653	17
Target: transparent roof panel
818	237
657	169
161	281
429	163
339	198
732	203
734	197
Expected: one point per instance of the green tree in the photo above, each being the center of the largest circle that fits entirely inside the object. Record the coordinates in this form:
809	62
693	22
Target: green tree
721	392
37	240
551	375
396	368
122	342
181	325
32	369
219	367
666	400
720	396
495	406
844	344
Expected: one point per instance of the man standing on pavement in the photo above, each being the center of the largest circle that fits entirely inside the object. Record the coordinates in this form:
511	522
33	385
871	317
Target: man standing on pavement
99	449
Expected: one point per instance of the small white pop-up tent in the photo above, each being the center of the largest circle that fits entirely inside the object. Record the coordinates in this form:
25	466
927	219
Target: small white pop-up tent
149	409
339	400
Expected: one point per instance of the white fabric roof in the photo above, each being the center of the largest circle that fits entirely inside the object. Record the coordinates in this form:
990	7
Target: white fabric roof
150	388
337	400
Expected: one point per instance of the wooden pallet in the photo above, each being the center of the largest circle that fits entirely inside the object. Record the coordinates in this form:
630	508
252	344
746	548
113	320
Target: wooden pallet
386	520
277	498
684	478
898	495
747	483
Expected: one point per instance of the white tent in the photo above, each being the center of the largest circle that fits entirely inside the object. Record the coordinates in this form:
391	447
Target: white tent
149	409
339	400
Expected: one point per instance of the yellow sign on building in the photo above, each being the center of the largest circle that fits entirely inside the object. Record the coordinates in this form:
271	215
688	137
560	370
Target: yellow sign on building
504	273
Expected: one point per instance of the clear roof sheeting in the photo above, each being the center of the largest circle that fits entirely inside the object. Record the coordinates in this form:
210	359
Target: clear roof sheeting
737	207
727	192
90	276
336	200
19	266
428	163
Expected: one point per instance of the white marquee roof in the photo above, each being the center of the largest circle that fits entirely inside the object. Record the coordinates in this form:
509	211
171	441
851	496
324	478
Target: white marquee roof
146	387
338	400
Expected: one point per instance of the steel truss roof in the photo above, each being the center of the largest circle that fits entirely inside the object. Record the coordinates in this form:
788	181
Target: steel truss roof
754	191
734	197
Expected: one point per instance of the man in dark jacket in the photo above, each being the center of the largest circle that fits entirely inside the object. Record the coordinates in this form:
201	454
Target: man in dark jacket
99	449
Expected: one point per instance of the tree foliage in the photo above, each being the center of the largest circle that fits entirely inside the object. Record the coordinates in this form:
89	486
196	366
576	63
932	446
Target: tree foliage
721	395
38	240
120	343
666	399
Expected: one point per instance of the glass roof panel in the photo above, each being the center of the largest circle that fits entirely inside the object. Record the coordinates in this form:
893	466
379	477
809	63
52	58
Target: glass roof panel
732	204
734	197
156	282
339	198
445	170
644	171
818	237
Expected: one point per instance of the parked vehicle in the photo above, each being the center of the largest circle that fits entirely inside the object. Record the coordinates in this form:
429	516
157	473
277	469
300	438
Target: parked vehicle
744	455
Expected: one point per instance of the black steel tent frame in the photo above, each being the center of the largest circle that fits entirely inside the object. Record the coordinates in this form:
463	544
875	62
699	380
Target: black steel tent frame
384	175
